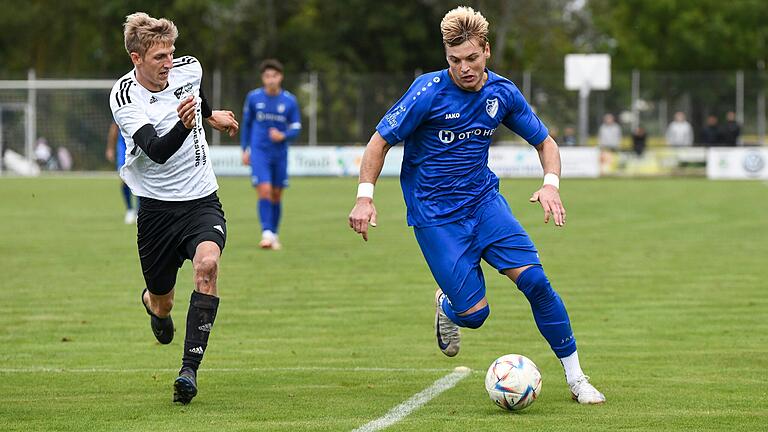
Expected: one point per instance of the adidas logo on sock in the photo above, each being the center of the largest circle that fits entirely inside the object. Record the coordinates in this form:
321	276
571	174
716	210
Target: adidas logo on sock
205	327
197	350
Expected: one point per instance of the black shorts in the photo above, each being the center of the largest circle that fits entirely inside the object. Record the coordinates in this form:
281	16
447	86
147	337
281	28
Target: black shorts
169	232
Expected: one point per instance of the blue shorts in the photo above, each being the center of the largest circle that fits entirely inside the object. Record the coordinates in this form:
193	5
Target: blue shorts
453	250
269	167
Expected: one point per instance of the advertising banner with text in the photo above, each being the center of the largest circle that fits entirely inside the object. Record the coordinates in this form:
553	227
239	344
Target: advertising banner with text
345	161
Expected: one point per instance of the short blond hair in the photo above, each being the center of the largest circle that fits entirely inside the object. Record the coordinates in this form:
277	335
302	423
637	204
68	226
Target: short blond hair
142	32
462	24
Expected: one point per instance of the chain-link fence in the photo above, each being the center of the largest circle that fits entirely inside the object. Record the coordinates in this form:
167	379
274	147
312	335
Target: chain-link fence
343	109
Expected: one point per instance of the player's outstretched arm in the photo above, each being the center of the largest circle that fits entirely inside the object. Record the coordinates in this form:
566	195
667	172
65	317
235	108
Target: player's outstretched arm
549	193
224	121
364	212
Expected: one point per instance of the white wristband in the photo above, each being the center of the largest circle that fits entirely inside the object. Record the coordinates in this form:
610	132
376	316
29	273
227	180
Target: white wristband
552	179
365	190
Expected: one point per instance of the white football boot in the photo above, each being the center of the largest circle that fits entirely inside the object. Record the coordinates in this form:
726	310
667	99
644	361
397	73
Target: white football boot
447	332
276	243
585	393
267	239
130	217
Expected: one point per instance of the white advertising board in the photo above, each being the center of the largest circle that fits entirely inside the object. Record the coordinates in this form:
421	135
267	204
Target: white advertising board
520	161
738	163
590	70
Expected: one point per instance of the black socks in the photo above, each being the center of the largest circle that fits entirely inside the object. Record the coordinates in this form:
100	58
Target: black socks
200	318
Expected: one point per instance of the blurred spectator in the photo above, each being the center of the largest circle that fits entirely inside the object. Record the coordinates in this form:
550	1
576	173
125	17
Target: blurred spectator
638	140
569	137
65	158
609	134
710	134
43	154
679	133
731	130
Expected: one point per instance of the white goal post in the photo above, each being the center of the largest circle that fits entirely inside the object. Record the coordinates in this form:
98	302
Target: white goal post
30	86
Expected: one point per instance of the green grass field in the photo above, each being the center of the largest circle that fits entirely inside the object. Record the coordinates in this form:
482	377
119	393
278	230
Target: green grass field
664	280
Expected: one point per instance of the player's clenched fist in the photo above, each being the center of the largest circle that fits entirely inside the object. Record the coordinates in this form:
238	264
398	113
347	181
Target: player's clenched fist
187	110
362	214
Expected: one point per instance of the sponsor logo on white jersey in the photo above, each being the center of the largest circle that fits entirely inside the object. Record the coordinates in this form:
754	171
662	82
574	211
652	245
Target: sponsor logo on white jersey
184	90
152	100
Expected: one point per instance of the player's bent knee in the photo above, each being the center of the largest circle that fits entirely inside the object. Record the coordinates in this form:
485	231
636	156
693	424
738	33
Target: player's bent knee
207	266
476	319
206	272
533	282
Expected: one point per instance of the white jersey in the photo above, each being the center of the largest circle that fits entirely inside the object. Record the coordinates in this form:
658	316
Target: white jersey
187	175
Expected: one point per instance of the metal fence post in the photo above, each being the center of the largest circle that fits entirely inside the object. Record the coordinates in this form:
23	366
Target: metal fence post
761	102
31	116
635	99
527	85
313	85
740	96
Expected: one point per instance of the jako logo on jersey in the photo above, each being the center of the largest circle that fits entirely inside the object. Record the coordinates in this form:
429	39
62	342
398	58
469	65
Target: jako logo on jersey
152	100
447	137
452	116
492	106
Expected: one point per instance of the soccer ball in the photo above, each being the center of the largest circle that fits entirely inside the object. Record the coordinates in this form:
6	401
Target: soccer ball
513	382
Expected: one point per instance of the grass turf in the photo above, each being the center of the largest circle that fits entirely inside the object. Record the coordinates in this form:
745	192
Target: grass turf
664	280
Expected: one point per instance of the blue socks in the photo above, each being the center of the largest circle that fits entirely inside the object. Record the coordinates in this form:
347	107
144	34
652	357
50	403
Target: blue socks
473	320
276	210
265	215
548	311
127	196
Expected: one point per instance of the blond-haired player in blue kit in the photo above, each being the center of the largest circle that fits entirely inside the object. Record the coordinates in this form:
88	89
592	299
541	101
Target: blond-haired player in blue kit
446	120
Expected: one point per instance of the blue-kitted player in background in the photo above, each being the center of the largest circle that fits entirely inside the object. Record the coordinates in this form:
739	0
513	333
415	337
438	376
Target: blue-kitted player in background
446	121
115	152
271	120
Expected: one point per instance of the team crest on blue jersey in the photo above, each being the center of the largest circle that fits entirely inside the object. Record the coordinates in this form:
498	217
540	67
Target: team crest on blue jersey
492	106
281	108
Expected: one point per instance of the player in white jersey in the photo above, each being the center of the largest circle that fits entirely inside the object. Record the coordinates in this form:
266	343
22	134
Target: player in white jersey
159	107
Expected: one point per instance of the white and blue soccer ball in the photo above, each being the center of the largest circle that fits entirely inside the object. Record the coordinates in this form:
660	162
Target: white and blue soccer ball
513	382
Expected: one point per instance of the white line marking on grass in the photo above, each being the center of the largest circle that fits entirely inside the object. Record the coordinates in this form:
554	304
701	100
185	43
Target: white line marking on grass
43	369
416	401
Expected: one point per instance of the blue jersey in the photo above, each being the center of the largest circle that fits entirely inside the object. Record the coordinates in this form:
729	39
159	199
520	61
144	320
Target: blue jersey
261	112
447	132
